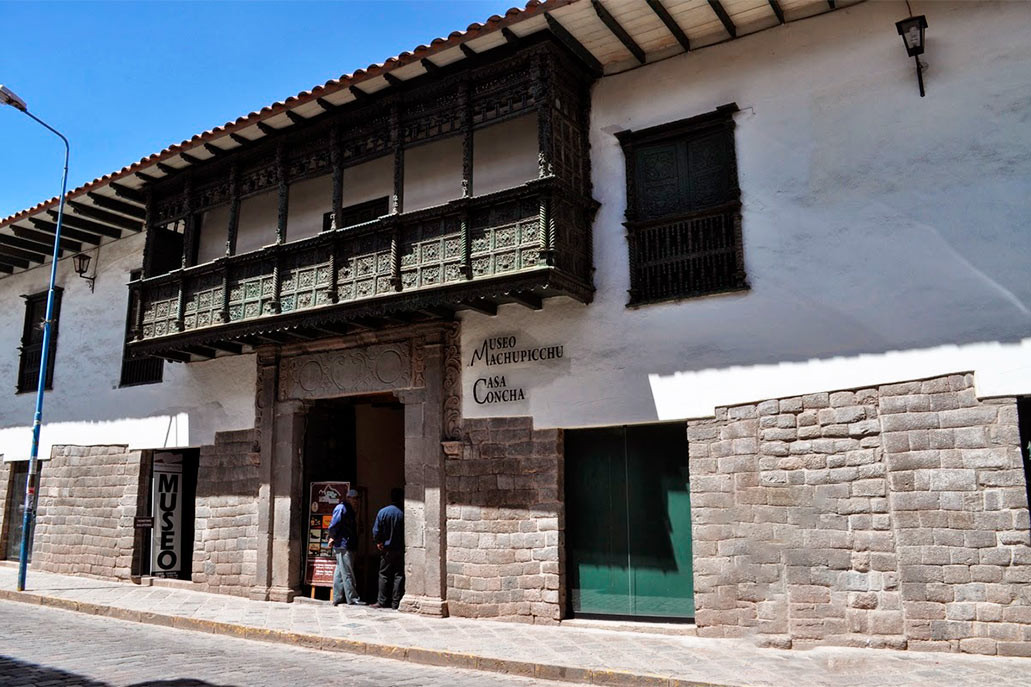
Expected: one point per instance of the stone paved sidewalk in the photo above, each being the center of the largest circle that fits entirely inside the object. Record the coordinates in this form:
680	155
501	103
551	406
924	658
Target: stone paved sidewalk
594	656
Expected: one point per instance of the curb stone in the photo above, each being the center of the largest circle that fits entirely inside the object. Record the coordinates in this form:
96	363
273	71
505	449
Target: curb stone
418	655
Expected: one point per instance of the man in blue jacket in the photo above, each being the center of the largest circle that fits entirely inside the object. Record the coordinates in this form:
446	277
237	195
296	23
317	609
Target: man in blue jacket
343	537
389	534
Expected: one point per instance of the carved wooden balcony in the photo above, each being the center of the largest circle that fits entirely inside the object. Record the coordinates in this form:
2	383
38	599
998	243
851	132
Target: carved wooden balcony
521	245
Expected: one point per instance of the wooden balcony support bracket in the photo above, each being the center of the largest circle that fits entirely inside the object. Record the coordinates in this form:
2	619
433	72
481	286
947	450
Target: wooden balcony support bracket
284	194
671	24
482	305
527	300
201	351
174	356
227	347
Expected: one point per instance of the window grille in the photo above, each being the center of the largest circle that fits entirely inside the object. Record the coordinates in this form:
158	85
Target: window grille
683	209
32	342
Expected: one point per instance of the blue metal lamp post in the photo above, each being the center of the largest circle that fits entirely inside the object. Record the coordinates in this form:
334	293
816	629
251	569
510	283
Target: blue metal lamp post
7	97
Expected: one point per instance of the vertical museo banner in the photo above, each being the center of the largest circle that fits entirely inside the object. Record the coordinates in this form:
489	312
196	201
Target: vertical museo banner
167	502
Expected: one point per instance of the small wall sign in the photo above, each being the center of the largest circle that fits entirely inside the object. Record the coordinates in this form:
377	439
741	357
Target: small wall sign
499	351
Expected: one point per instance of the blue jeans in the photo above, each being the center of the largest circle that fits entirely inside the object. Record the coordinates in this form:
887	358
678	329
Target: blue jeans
343	577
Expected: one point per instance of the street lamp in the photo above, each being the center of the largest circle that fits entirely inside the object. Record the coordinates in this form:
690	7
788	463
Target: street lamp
912	32
7	97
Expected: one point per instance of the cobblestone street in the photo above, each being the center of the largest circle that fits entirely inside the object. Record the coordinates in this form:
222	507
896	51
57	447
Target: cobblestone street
45	646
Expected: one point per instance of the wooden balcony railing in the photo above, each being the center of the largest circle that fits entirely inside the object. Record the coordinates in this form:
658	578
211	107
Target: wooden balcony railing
521	244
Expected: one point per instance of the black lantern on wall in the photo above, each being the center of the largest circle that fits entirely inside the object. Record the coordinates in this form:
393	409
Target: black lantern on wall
912	32
81	263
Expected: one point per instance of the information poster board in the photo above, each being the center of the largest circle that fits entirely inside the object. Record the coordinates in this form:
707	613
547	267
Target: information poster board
319	561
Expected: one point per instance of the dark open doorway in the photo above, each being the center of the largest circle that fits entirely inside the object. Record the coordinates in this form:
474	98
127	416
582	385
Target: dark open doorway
360	441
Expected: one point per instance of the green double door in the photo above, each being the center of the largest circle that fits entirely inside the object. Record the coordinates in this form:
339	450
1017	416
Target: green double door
628	522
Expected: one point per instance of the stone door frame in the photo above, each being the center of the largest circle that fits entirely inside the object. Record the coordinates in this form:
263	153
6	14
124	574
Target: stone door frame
421	366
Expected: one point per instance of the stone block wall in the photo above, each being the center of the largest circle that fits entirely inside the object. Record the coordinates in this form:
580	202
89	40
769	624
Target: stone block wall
87	500
226	528
893	516
505	521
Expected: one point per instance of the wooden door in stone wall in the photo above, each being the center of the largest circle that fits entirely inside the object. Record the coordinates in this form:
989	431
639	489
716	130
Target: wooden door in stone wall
628	522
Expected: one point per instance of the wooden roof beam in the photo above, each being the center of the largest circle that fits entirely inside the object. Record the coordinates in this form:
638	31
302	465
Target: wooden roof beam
294	117
429	66
240	139
717	7
509	35
832	4
358	93
326	105
467	51
191	159
671	24
266	129
20	248
9	261
51	228
569	40
777	10
115	205
15	258
618	31
214	150
106	217
146	178
89	225
46	239
129	194
392	80
6	268
167	170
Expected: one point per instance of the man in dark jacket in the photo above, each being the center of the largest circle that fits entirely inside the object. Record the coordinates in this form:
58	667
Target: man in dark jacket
389	534
343	537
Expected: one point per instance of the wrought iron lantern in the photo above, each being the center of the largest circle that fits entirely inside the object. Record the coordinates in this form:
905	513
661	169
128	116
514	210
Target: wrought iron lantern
81	262
912	32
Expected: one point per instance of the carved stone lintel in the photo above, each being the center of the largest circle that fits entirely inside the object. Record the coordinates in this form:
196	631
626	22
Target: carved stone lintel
383	367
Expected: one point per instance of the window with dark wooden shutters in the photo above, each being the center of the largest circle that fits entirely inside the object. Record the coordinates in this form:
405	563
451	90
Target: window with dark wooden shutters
32	342
683	209
144	369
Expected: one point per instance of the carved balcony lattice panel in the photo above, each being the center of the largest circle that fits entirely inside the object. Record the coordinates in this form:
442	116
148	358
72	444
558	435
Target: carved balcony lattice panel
431	253
438	259
202	302
251	291
306	280
161	311
505	238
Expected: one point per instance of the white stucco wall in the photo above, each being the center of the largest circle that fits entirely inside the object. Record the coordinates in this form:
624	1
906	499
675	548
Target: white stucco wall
309	200
214	228
433	173
369	180
86	405
504	155
259	215
885	235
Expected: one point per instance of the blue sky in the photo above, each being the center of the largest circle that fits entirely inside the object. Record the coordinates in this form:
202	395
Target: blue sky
123	80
